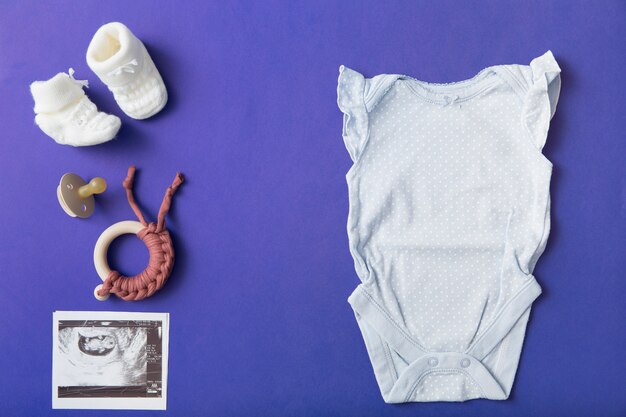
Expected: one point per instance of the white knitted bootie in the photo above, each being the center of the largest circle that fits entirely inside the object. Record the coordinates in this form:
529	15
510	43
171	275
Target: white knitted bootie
122	62
66	114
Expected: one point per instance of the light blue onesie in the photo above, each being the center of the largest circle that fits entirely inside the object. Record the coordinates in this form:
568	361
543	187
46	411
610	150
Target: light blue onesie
449	212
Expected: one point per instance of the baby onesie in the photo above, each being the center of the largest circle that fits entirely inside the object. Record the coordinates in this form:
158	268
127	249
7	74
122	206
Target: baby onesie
449	212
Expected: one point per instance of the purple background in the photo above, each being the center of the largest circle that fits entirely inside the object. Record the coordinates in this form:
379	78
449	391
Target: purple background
259	319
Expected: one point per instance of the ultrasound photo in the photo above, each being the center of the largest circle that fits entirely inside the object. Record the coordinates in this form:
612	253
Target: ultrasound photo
110	360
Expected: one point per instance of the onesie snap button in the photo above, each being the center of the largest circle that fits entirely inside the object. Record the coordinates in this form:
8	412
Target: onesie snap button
433	362
465	363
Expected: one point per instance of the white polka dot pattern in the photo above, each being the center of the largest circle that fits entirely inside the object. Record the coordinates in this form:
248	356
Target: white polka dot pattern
445	387
449	211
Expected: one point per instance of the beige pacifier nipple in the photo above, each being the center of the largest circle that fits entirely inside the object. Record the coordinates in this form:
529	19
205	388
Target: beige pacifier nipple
76	196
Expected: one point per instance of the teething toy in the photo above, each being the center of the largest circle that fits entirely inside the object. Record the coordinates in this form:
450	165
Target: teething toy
65	113
76	196
157	240
122	62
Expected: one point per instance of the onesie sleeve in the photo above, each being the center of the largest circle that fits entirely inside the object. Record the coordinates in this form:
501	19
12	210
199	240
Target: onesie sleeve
351	101
542	97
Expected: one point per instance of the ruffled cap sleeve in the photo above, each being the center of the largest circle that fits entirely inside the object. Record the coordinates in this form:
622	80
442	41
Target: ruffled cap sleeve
542	97
351	101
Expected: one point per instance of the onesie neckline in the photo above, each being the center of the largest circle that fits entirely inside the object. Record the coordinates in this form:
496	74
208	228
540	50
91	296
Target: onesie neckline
452	92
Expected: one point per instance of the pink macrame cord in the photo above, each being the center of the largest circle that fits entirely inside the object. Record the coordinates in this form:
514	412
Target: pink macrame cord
159	243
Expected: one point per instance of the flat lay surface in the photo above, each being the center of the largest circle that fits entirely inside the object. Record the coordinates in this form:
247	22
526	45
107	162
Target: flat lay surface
259	323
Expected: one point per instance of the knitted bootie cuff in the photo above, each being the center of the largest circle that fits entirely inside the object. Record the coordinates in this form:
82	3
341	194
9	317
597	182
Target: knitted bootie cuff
56	93
122	62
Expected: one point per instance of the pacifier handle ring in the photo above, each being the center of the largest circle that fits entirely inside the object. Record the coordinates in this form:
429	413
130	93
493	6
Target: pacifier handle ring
102	247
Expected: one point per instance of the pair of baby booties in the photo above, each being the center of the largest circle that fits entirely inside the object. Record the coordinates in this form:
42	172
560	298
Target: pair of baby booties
121	61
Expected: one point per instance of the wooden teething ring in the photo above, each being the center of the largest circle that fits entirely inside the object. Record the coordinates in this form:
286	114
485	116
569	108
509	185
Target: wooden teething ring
102	247
157	240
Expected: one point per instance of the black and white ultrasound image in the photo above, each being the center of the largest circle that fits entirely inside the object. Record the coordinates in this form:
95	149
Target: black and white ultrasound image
116	358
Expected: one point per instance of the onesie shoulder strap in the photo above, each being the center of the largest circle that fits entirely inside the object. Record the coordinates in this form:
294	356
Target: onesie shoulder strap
377	88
